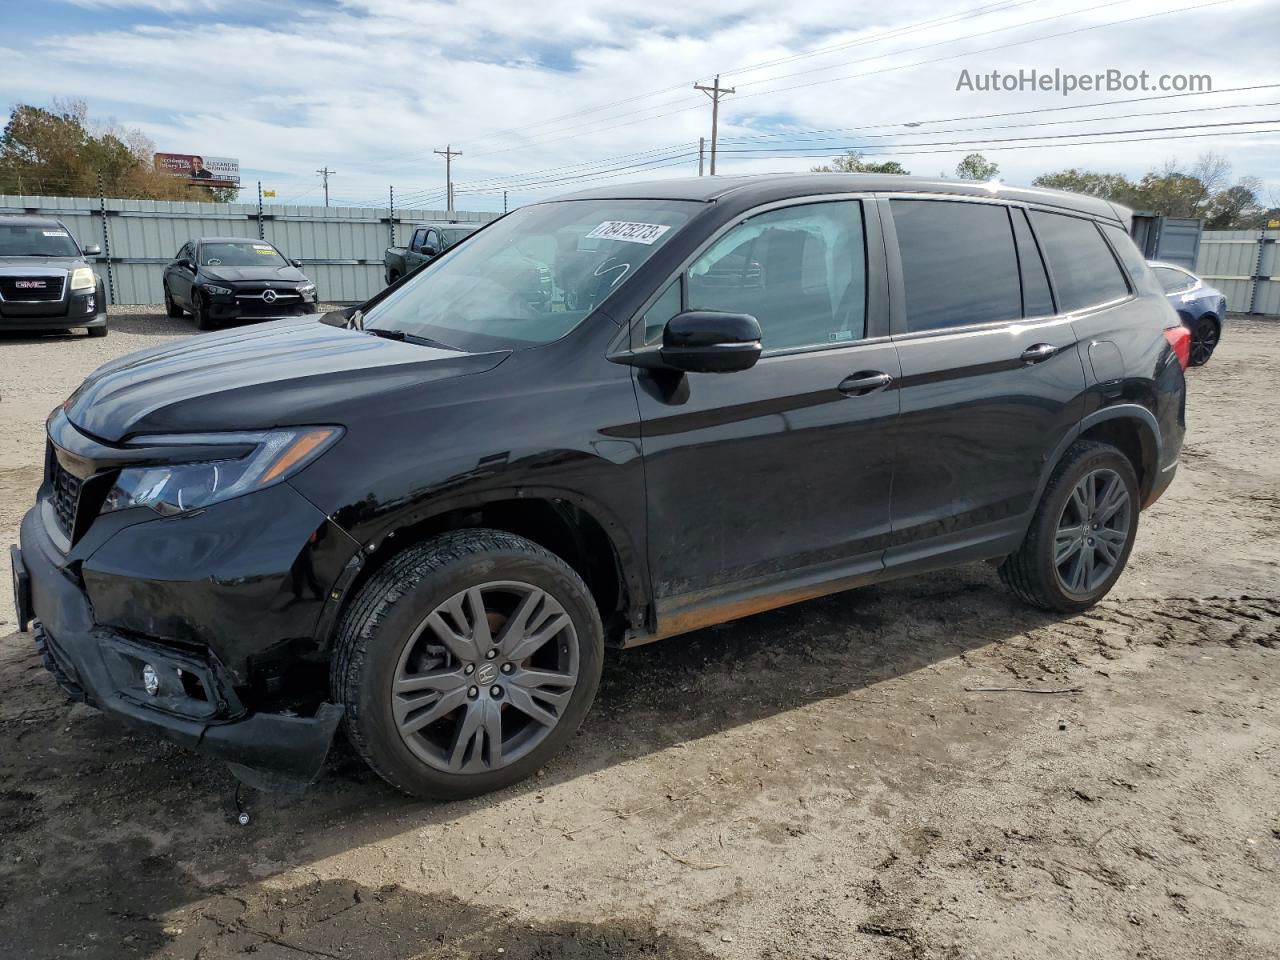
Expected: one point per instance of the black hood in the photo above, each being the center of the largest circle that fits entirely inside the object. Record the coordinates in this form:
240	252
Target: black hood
285	273
287	373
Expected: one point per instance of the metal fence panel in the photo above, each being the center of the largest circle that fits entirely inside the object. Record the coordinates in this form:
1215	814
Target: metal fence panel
340	247
1245	266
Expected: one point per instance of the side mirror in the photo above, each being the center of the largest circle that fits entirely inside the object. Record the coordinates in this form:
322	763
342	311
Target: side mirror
429	251
92	250
708	341
296	263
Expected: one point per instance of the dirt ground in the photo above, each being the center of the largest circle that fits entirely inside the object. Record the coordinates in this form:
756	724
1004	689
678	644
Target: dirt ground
865	776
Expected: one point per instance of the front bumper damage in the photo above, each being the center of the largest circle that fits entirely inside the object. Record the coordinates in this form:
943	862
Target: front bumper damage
194	700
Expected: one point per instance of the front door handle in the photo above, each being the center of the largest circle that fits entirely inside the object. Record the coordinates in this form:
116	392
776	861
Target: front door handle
1038	353
864	382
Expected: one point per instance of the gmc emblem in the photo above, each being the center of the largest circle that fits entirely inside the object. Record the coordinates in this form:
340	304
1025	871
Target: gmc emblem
29	284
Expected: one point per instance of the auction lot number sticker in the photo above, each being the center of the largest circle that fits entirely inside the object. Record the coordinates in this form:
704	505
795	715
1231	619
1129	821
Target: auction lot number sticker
645	233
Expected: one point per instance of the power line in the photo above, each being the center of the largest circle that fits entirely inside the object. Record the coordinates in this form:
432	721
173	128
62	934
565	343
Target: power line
1015	113
1003	46
954	145
904	30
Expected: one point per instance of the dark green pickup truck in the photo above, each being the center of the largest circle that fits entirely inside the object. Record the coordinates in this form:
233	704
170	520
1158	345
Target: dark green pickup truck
428	240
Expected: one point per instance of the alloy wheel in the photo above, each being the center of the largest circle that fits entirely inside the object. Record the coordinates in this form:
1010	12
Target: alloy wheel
1092	532
1203	340
485	677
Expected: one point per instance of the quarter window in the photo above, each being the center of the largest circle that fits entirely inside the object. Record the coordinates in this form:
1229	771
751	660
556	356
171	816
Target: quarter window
1084	271
1173	281
959	265
800	271
1036	301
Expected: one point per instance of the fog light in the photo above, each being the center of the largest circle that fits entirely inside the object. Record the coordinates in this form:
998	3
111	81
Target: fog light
150	680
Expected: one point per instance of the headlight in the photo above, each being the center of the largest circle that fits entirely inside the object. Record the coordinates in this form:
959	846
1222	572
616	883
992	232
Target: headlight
217	290
307	289
82	278
175	488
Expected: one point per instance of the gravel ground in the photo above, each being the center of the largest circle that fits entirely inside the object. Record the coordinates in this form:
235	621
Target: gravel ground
864	776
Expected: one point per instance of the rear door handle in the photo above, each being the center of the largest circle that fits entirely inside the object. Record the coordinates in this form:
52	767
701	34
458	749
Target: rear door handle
1038	353
864	382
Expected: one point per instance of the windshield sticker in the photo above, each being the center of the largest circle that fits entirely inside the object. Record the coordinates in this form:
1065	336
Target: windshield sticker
645	233
54	233
266	253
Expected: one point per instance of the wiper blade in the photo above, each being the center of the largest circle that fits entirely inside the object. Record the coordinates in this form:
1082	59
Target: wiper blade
402	337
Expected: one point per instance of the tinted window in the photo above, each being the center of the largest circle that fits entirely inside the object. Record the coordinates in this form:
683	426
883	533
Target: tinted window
663	309
416	242
1036	300
1144	280
800	271
958	263
1084	271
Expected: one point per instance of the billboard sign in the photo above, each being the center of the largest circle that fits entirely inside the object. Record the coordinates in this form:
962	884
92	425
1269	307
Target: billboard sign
200	170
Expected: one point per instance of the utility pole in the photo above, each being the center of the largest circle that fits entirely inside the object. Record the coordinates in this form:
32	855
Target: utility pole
448	153
715	92
702	149
326	173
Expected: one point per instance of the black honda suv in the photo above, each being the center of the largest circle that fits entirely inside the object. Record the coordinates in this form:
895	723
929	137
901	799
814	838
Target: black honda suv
603	420
222	279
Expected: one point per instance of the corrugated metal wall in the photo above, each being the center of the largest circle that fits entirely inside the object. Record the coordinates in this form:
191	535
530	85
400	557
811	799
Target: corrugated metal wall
1244	265
340	247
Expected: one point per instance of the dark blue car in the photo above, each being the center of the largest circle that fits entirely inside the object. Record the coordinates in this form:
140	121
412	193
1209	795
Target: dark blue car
1202	308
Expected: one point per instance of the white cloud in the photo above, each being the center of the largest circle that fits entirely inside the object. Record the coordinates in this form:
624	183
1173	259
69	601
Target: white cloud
371	87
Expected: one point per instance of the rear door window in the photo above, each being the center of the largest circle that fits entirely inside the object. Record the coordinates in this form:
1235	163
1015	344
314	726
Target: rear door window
1085	273
959	265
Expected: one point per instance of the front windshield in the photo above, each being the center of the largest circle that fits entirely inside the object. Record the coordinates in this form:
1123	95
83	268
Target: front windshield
240	253
42	240
532	276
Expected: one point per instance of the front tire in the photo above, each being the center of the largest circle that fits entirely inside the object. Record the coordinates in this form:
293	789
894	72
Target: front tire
200	312
98	331
466	663
171	309
1081	534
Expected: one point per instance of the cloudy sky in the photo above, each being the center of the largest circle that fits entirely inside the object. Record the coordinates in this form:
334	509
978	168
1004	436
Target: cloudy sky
540	96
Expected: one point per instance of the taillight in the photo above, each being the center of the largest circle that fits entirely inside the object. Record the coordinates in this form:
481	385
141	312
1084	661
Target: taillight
1179	338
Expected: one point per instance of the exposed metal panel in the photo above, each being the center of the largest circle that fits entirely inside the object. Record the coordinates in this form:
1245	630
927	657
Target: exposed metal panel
1244	265
341	247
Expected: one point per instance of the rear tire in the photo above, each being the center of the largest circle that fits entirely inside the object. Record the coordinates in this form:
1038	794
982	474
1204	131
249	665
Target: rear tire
1081	534
466	663
1204	340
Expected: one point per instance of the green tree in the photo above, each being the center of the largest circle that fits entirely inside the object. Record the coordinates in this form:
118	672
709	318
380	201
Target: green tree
977	167
1108	186
853	162
56	151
